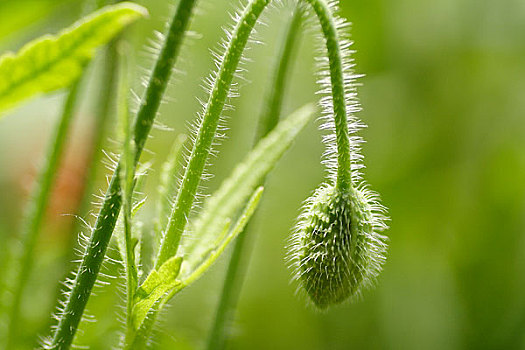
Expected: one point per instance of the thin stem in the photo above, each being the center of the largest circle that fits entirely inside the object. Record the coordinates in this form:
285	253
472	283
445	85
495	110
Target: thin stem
89	267
344	172
36	213
105	224
162	73
106	88
127	188
267	121
269	117
207	130
37	209
131	268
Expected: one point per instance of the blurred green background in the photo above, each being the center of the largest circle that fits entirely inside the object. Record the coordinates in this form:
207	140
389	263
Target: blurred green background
444	97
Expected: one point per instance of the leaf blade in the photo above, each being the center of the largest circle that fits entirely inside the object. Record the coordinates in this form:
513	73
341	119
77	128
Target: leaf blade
158	283
222	244
52	62
238	187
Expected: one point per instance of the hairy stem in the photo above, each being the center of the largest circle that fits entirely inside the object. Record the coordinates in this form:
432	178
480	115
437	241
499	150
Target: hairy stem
326	20
89	268
105	224
267	121
37	209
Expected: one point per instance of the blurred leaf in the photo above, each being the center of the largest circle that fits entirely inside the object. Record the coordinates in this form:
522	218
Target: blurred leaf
16	16
54	62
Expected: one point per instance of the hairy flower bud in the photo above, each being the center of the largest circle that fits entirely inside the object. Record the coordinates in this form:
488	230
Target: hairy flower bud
336	248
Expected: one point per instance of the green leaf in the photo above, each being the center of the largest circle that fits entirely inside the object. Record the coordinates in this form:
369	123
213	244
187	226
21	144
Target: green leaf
158	283
53	62
191	272
236	189
17	18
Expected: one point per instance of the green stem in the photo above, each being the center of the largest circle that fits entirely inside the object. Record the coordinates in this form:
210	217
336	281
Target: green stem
127	188
89	267
267	121
269	117
206	134
105	224
37	209
326	20
215	105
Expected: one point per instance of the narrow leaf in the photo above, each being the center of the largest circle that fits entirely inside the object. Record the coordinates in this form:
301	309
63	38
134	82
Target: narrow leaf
158	283
236	189
191	272
53	62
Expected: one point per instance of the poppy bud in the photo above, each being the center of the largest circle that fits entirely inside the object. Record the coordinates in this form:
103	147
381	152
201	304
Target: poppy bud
336	248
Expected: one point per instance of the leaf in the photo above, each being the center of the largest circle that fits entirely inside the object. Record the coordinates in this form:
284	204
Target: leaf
154	287
191	272
236	189
53	62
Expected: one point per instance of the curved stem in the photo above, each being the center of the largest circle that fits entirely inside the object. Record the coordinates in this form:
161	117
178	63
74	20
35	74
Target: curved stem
37	210
233	281
215	105
344	172
105	224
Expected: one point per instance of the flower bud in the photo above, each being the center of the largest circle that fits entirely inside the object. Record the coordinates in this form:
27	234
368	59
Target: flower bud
336	247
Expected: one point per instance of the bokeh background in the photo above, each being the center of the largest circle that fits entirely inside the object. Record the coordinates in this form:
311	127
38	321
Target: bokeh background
444	97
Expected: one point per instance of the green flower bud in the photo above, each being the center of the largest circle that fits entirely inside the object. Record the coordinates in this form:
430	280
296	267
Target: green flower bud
337	248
